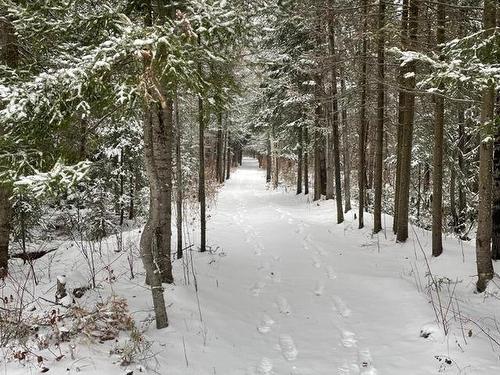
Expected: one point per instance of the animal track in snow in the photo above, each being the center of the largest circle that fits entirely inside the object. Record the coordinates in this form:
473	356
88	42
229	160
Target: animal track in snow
348	339
316	262
265	367
330	272
264	266
265	324
275	276
365	363
257	288
341	307
287	347
283	305
319	289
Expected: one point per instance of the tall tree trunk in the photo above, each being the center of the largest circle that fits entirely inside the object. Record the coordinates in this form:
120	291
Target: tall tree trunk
299	160
334	109
306	160
201	175
268	158
362	118
329	160
462	196
484	223
346	155
178	174
224	156
148	243
219	148
495	217
437	172
379	142
228	156
9	56
407	131
401	114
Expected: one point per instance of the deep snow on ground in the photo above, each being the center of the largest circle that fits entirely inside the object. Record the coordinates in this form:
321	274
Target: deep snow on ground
285	290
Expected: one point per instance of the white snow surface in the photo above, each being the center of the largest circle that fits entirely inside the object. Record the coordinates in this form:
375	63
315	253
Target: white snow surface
286	290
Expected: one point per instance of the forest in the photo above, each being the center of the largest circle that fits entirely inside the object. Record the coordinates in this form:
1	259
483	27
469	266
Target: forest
249	187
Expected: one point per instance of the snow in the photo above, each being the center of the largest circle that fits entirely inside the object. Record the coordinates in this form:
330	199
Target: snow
285	290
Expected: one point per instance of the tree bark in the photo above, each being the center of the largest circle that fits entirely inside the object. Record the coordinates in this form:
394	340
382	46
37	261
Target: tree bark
346	156
201	175
299	160
379	142
178	175
484	222
306	161
437	172
495	216
407	131
401	113
362	118
268	158
334	109
9	56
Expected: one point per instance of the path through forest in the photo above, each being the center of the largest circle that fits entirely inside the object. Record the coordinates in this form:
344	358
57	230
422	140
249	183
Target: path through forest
290	292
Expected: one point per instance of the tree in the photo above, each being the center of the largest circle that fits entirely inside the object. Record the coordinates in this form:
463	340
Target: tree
8	56
362	118
437	172
484	223
407	128
379	142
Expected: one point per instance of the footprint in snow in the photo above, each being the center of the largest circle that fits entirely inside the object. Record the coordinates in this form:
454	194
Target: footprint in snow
287	347
265	367
365	363
330	272
340	307
348	339
319	289
264	266
258	249
274	276
316	262
283	306
256	289
265	324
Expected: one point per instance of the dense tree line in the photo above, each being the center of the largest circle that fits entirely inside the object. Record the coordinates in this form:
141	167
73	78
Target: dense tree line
136	108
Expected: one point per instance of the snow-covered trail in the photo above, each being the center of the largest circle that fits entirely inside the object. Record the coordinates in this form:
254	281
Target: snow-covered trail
284	290
295	293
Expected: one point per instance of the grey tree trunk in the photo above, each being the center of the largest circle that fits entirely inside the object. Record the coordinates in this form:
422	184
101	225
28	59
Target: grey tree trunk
484	222
362	119
178	175
299	160
437	172
335	118
346	155
407	131
495	216
9	56
228	156
401	113
149	243
201	175
306	161
379	142
219	149
268	158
